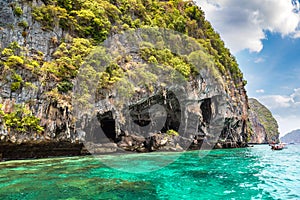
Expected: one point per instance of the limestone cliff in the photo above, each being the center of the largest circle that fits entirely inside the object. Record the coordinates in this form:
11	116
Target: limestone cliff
43	48
263	124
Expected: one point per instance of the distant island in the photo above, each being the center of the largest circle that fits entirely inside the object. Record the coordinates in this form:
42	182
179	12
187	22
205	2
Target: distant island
264	125
292	137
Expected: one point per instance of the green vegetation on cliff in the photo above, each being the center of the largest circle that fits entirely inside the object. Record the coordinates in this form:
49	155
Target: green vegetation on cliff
90	22
95	20
21	120
87	23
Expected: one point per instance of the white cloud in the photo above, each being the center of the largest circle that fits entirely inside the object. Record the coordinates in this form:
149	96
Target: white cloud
259	60
276	101
260	91
282	101
297	34
285	109
296	96
287	123
242	23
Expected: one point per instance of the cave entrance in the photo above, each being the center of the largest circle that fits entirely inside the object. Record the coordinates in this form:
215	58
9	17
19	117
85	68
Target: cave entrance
173	109
108	125
140	113
206	110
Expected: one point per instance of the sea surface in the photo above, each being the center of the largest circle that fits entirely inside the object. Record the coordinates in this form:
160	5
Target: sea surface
250	173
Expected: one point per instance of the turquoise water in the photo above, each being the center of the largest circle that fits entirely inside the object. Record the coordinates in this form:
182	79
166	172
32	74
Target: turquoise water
252	173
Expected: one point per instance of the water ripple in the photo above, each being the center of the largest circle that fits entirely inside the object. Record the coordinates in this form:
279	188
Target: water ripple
254	173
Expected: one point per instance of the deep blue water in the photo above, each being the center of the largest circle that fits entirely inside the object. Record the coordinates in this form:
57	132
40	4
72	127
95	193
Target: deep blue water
251	173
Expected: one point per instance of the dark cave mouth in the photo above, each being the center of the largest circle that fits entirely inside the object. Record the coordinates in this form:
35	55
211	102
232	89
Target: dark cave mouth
206	110
108	125
140	116
140	113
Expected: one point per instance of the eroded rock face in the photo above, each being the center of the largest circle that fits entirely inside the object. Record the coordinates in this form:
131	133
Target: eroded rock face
259	135
200	110
36	38
264	126
202	120
207	105
55	115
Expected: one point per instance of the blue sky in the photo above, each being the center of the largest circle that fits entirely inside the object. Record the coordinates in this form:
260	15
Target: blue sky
273	76
264	36
276	68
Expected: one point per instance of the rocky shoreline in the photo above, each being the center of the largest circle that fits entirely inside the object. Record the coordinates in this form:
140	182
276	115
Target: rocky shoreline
12	151
133	144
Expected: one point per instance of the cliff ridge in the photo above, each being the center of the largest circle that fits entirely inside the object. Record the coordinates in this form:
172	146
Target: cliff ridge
47	46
